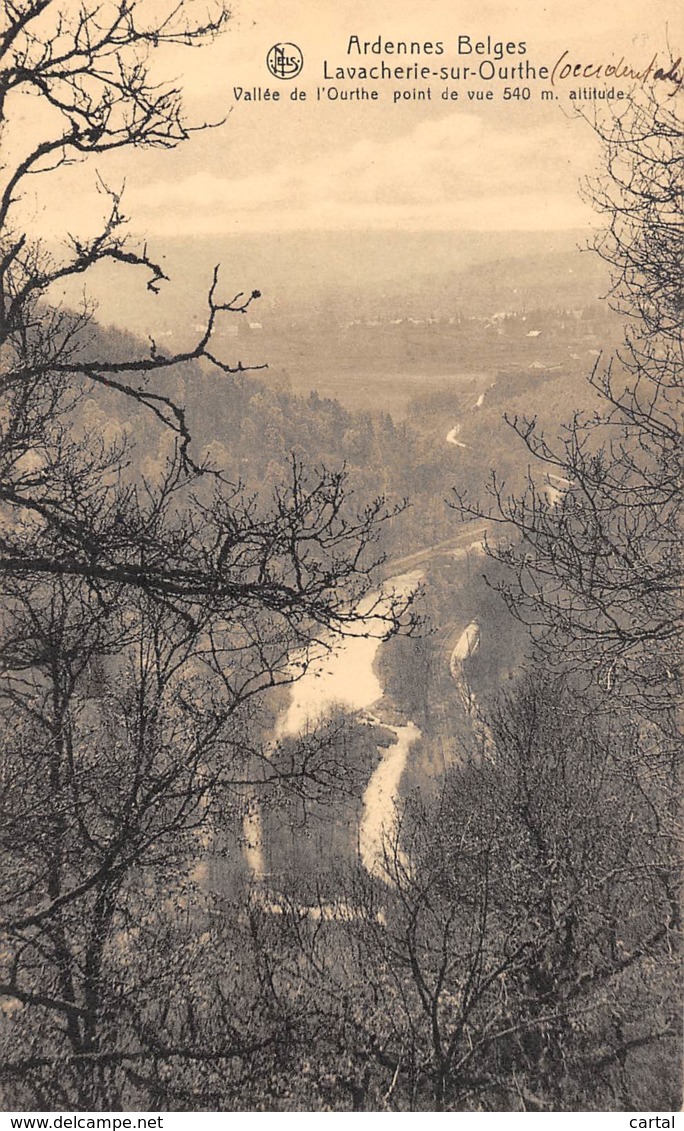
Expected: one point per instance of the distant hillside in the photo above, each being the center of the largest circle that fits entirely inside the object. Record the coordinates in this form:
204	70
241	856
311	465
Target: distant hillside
552	279
346	275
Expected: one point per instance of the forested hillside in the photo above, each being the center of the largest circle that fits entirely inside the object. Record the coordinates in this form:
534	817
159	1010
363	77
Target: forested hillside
340	752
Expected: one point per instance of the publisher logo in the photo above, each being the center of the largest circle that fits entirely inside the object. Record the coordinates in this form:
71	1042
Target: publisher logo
285	60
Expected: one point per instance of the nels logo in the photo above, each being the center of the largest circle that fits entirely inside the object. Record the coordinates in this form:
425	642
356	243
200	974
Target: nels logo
285	60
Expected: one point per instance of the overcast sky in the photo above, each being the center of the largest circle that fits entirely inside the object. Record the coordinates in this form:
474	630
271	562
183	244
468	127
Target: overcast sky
349	166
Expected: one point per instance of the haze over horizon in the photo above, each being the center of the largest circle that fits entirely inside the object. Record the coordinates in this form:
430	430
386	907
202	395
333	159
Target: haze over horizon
355	275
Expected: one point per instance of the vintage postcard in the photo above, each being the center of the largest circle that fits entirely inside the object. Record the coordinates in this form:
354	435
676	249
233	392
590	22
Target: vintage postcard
341	346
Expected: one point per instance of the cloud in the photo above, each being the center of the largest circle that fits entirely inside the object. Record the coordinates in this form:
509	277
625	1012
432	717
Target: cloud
454	171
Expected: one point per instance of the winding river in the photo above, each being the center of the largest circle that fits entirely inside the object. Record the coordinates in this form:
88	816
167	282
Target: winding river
380	816
346	677
452	437
467	643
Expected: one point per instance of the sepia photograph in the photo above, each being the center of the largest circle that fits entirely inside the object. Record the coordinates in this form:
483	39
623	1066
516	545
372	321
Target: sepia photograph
340	575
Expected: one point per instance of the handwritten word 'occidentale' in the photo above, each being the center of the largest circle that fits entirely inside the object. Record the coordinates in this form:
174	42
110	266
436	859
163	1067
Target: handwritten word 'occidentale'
566	69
